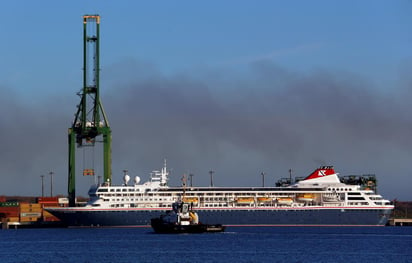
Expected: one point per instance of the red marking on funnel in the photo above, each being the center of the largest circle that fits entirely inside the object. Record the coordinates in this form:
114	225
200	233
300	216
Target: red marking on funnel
321	172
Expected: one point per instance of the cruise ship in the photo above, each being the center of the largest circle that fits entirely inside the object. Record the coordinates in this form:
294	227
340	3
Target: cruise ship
320	199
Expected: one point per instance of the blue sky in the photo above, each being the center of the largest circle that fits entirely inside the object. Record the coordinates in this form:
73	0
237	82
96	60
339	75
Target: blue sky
368	37
231	48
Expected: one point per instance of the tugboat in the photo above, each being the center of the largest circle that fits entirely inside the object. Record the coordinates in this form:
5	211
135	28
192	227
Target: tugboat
182	219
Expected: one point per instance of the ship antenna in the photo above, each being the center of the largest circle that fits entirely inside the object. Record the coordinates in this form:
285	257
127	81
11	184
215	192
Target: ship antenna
184	184
164	174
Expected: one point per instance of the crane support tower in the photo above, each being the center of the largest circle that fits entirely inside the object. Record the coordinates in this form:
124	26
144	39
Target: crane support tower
90	119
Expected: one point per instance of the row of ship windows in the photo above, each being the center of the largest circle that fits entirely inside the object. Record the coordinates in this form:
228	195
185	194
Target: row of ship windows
169	205
136	205
232	194
240	205
228	197
206	199
231	198
105	190
376	198
136	200
216	205
130	191
234	214
109	195
226	205
129	195
165	199
339	189
356	198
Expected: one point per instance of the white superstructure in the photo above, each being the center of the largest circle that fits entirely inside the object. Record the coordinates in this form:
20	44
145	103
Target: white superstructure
321	188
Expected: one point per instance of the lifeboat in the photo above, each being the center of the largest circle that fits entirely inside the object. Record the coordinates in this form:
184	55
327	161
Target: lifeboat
264	199
285	200
189	200
245	200
305	197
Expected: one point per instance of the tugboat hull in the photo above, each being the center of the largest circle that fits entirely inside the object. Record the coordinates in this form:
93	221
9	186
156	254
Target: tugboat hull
159	226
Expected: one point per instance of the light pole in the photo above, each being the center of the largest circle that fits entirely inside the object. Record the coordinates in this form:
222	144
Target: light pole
211	177
51	184
191	180
42	185
263	179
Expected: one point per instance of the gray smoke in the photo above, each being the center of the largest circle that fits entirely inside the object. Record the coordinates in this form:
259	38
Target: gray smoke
237	123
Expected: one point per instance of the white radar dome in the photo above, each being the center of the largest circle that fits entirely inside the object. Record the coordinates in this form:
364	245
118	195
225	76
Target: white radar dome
136	179
126	179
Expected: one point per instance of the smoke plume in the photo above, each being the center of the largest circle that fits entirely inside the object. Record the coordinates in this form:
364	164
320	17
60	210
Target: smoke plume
237	123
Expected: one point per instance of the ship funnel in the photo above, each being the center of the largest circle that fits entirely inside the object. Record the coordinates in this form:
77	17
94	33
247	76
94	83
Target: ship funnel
321	172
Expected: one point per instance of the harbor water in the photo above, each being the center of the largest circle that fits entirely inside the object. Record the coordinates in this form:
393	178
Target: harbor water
247	244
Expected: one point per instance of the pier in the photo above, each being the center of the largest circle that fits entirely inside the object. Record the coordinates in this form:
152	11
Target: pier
401	215
400	222
8	225
41	224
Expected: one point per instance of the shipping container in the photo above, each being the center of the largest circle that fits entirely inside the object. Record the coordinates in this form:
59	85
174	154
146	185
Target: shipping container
29	210
48	200
64	200
30	214
9	204
13	219
3	215
50	205
28	219
9	211
10	214
29	205
9	208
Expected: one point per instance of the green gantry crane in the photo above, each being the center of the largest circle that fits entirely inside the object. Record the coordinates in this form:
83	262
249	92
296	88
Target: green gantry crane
90	120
